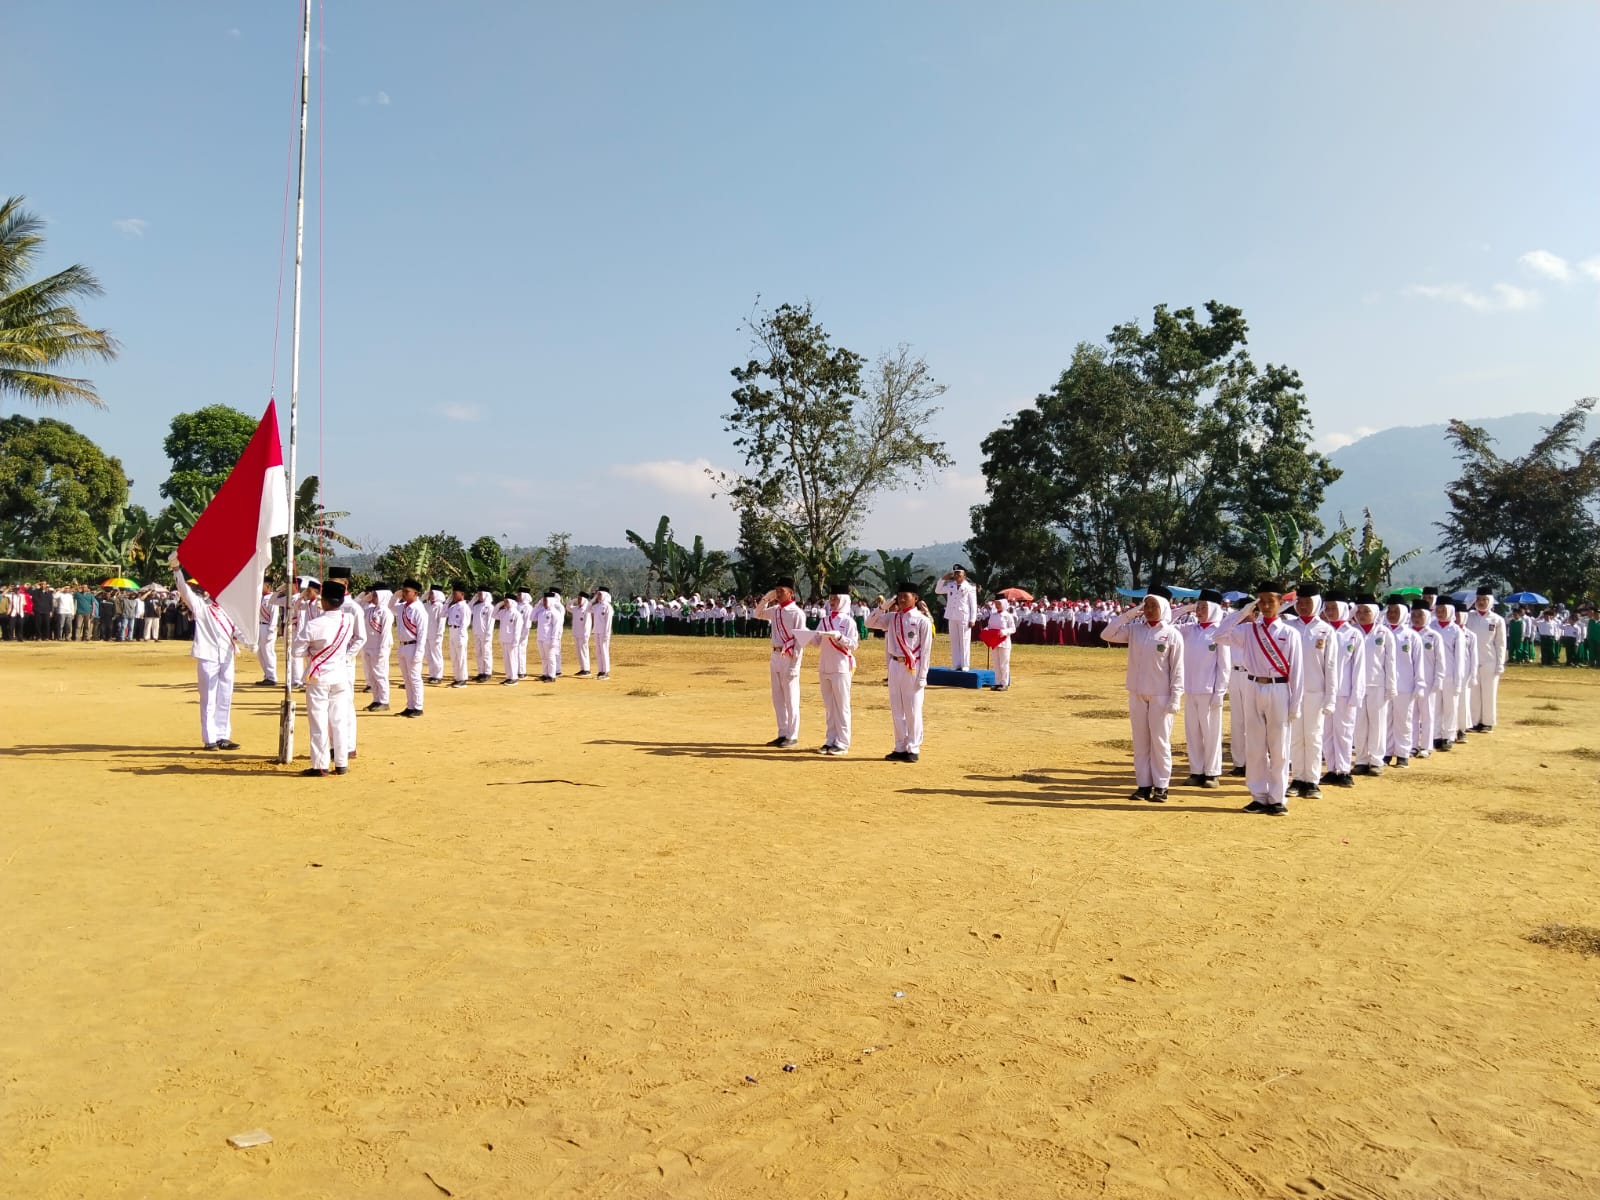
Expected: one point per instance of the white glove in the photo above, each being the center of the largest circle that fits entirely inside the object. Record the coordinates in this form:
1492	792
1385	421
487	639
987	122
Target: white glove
172	560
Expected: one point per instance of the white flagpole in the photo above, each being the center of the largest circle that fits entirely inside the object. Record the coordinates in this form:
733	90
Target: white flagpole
286	716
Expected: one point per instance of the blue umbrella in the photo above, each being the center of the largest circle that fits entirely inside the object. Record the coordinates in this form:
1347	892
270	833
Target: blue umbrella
1465	596
1524	598
1235	597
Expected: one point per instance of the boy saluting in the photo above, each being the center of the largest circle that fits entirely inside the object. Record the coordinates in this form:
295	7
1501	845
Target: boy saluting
908	640
1269	652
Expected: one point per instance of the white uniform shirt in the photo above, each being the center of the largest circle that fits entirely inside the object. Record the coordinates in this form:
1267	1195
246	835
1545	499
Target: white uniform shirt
411	621
1206	665
1263	650
1155	655
458	619
1317	655
909	640
325	644
1380	670
1409	678
1349	663
214	633
551	615
1490	628
1432	659
836	656
602	610
788	627
960	599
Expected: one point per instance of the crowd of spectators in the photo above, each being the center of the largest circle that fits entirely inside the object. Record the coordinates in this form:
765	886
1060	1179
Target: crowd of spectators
78	612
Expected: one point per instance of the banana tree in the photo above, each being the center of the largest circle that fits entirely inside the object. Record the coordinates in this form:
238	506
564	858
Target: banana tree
657	553
696	569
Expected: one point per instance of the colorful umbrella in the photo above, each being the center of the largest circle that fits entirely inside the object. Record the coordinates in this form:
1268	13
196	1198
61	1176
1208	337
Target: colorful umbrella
1524	598
1406	591
126	585
1015	594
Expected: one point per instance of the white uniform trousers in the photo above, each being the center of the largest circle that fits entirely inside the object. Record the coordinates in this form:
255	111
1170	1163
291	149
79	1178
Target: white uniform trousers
331	713
458	655
511	658
1339	738
1305	740
1202	732
1266	712
485	654
602	653
905	707
1445	706
216	699
1427	705
350	706
267	652
436	655
1402	722
582	655
836	708
411	672
1485	690
1152	739
1372	731
1238	730
522	652
960	642
550	658
785	671
375	659
297	669
1000	660
1464	707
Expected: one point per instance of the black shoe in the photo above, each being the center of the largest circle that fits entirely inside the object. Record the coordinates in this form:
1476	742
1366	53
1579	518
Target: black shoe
436	682
508	683
209	746
1237	771
1327	777
1312	792
1255	806
895	756
777	741
1296	787
603	675
481	678
580	674
1375	771
1361	769
226	744
1343	781
1445	745
410	712
1195	781
547	679
1401	762
1140	794
1157	796
315	772
788	743
266	683
376	707
833	751
1461	739
909	756
459	683
1276	810
1210	781
1486	729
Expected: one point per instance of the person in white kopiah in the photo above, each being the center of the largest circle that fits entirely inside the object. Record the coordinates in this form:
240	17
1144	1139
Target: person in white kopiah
582	623
1432	670
1469	671
1207	670
524	631
483	624
411	632
215	641
788	645
380	640
457	624
325	643
267	638
551	615
960	611
509	626
1155	683
1372	719
436	604
1447	702
1484	688
1269	651
358	617
1408	682
908	644
1003	621
836	637
1319	670
1349	687
603	612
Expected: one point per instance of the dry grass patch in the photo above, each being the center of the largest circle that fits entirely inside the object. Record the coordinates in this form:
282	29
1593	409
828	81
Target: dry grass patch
1580	939
1518	816
1586	753
644	691
1104	714
1117	744
1542	722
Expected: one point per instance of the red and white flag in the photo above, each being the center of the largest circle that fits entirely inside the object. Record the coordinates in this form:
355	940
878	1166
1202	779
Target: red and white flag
230	546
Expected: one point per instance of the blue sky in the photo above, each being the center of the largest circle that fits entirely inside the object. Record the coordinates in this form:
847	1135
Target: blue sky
545	222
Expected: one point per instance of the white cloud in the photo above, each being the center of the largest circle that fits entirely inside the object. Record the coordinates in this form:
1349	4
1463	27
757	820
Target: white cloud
1501	297
233	33
461	412
1547	265
671	475
1591	267
1329	442
131	226
381	98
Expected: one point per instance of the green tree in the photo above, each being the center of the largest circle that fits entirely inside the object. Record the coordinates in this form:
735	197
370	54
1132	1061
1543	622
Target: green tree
432	558
58	491
764	551
696	569
1356	566
488	567
1529	522
40	329
657	552
204	446
822	437
317	535
1146	456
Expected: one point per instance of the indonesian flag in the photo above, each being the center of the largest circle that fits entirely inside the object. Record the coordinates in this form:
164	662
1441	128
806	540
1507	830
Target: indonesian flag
228	549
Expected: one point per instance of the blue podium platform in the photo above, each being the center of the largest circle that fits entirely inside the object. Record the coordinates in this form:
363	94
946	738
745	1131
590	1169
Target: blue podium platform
950	677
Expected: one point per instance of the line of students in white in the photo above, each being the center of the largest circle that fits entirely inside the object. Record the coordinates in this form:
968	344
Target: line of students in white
1334	687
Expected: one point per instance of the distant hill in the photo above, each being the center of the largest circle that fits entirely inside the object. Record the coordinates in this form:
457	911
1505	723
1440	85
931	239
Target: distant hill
1401	475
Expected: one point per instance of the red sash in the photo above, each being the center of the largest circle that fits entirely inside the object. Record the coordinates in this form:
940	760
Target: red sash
1275	658
907	656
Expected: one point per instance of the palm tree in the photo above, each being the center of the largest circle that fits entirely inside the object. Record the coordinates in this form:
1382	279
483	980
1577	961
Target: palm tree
316	528
39	327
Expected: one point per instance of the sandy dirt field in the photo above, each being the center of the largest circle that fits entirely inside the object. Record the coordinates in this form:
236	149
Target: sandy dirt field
562	941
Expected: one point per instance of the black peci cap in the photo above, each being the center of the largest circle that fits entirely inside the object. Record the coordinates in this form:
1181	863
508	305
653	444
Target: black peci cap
1485	590
1273	586
1365	598
1161	591
1430	590
340	573
1418	604
1308	587
905	585
412	584
1210	596
1336	596
783	581
333	590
